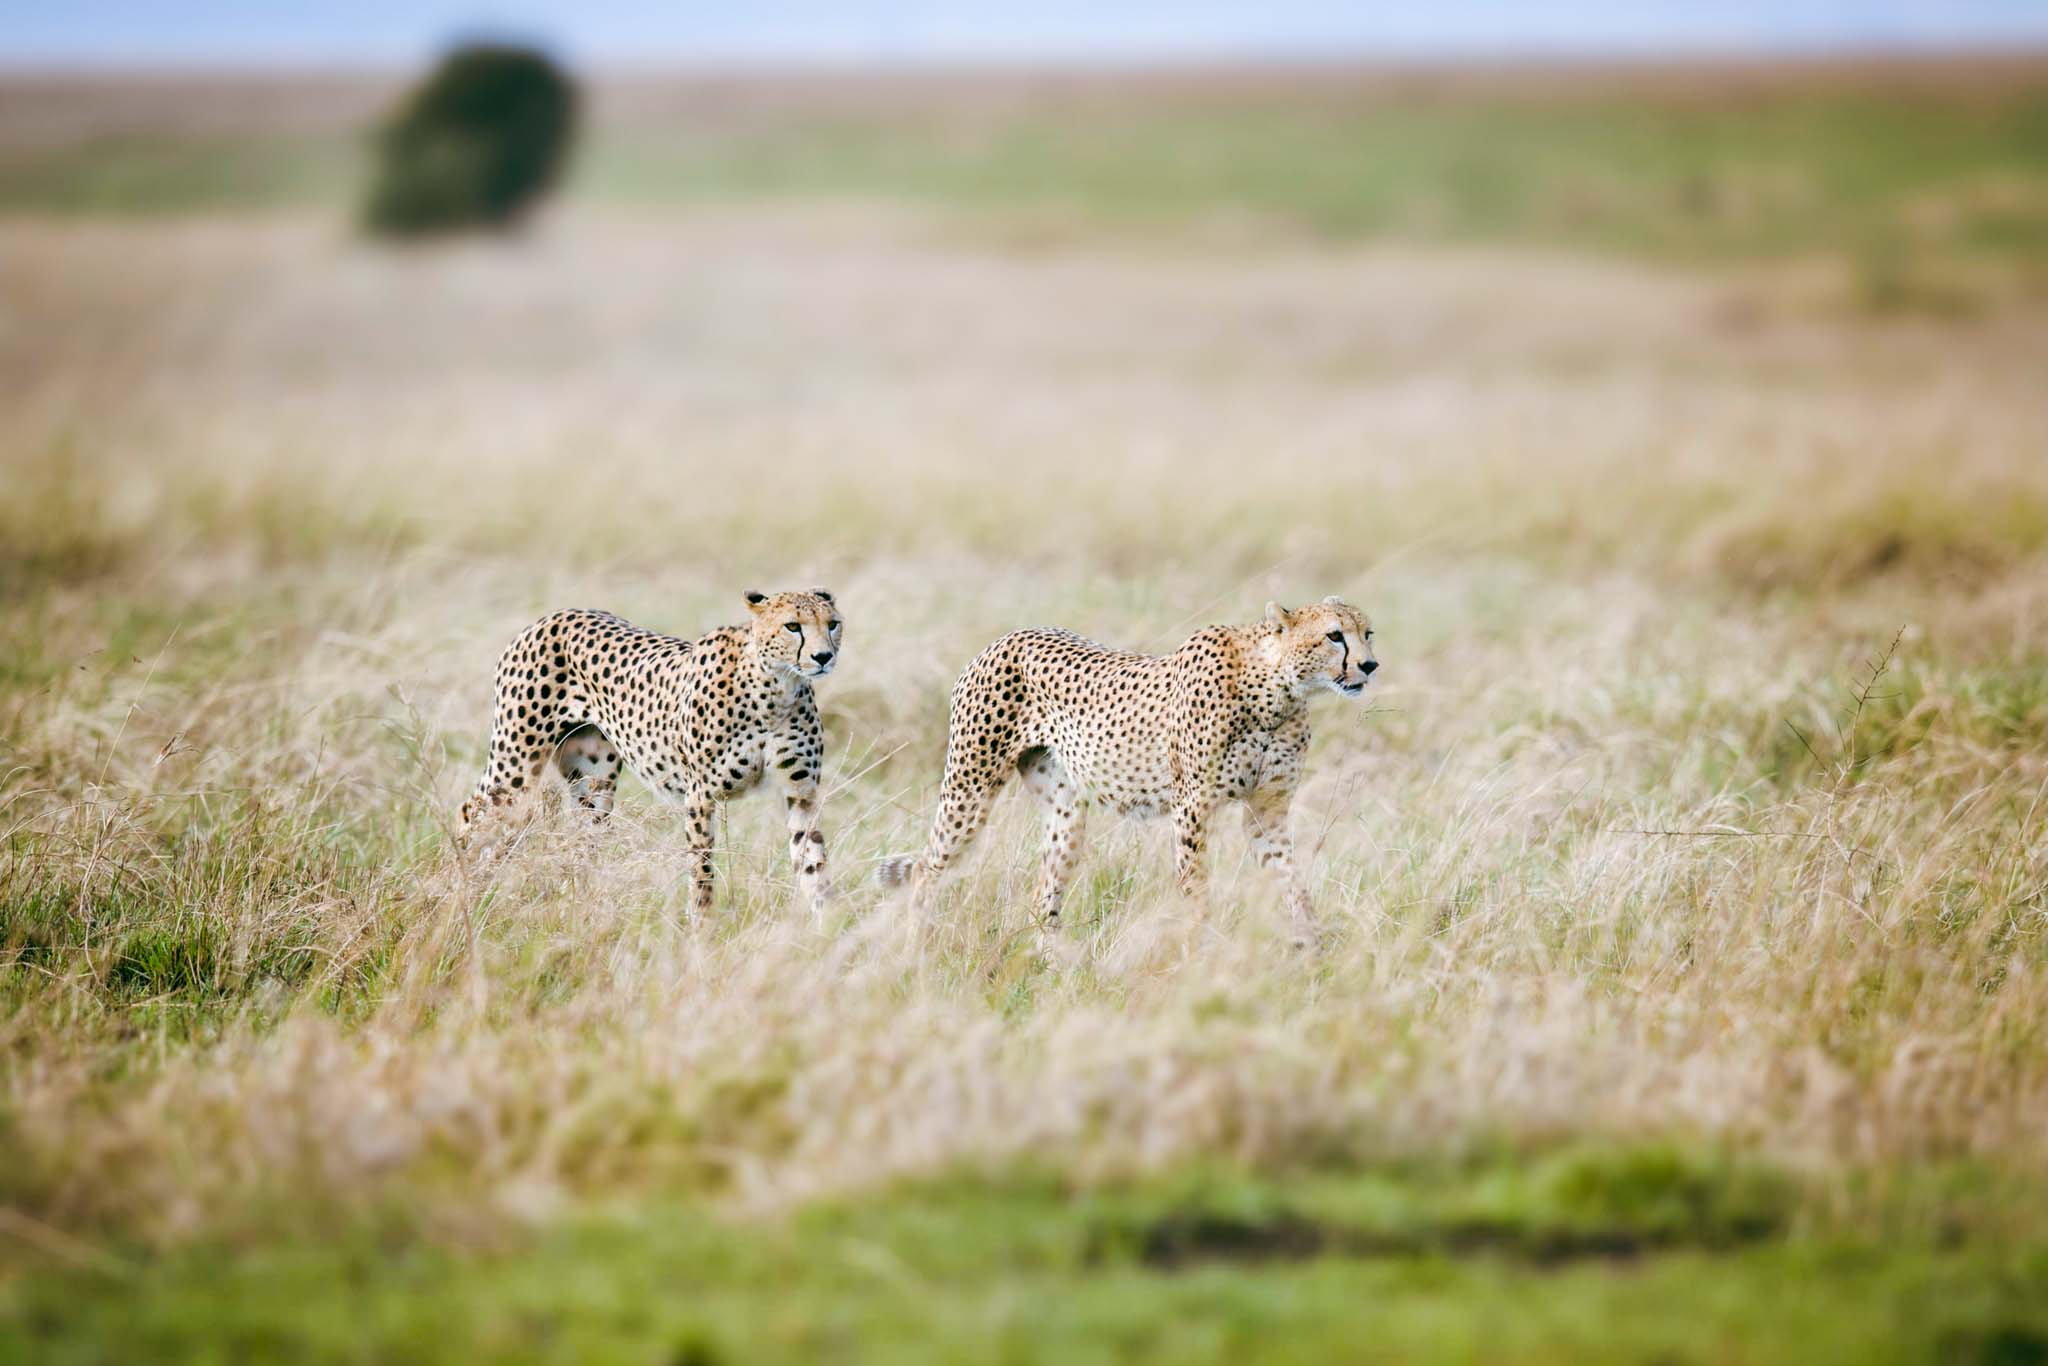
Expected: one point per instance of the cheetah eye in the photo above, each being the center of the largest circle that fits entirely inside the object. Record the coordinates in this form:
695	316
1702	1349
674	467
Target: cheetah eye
795	628
1335	637
831	625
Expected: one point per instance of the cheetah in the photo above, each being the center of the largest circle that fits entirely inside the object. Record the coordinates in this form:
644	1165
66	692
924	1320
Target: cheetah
699	721
1224	717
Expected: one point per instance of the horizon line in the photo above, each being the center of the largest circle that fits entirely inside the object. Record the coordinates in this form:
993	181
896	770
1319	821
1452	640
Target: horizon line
734	62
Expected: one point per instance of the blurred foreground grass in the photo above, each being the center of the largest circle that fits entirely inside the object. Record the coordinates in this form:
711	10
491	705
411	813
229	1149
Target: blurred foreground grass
1583	1255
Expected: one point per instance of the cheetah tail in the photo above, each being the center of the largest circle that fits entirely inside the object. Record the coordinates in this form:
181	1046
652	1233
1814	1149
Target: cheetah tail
895	872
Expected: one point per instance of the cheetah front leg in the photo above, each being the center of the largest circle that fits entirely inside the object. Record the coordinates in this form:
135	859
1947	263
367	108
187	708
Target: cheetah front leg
797	757
1191	842
1200	739
1266	811
700	809
807	846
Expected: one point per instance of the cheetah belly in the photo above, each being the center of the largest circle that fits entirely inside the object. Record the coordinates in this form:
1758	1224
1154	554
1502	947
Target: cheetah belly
1129	773
1134	775
641	746
1110	735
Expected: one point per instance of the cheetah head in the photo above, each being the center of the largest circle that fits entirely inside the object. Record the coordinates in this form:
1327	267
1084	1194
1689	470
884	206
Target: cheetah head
1327	645
796	633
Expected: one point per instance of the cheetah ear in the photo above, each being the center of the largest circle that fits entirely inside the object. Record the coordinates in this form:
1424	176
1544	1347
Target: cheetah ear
1276	615
1333	601
754	600
821	593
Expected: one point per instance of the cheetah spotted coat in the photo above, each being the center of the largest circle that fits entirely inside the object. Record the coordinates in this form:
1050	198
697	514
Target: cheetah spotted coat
1222	718
699	721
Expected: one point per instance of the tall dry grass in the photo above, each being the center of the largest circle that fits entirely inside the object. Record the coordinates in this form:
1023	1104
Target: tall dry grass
1704	797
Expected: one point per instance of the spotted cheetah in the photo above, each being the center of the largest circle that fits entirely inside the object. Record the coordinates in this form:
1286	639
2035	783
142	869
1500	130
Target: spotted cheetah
700	721
1224	717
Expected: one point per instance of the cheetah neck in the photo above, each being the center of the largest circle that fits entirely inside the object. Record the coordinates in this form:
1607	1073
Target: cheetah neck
1268	690
782	689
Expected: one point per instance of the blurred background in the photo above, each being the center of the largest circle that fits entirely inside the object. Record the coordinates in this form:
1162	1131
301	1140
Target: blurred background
1744	130
1666	380
1855	163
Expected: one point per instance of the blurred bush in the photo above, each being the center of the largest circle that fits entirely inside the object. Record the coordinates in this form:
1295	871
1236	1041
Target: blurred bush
475	144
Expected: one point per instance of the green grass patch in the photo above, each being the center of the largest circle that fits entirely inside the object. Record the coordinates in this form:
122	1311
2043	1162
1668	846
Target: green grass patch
1759	175
1888	170
142	172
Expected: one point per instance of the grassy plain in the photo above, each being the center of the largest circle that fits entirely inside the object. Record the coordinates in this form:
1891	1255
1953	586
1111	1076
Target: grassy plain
1686	994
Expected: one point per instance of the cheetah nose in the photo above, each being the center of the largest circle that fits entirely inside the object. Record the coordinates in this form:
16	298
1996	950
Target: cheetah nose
1369	665
823	656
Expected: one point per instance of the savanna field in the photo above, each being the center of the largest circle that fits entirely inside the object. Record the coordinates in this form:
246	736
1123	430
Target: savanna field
1684	873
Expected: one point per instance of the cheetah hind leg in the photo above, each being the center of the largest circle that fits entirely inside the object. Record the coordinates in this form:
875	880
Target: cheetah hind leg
492	821
963	809
504	801
1063	812
589	761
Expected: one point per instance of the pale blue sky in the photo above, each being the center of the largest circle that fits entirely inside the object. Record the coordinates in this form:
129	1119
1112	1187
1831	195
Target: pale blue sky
208	32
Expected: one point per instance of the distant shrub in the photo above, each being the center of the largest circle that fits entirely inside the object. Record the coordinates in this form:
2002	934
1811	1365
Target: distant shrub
474	144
